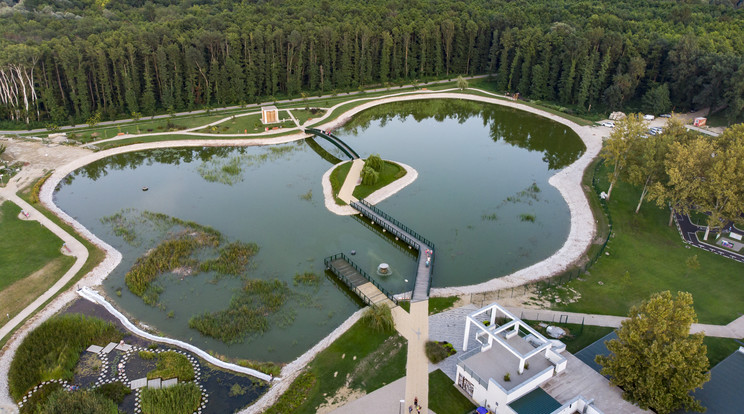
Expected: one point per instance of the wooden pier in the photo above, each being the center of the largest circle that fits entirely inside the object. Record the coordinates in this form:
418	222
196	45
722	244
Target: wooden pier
359	281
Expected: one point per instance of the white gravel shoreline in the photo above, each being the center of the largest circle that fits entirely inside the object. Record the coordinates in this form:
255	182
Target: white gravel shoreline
567	181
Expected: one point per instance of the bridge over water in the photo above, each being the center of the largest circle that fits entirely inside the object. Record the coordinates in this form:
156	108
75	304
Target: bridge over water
344	147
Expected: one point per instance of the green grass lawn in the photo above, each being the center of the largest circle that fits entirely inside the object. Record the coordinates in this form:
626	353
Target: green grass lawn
719	348
95	255
579	337
437	305
25	246
444	398
338	176
390	172
303	115
654	257
364	358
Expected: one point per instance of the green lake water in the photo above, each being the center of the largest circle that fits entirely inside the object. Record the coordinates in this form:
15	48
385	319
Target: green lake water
482	197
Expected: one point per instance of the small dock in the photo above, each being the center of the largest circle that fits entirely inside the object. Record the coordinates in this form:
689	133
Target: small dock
425	263
358	281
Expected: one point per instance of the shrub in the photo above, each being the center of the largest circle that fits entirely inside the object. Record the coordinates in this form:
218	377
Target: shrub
79	402
114	391
379	318
507	377
375	162
147	355
171	364
36	401
52	350
369	176
34	196
180	398
436	352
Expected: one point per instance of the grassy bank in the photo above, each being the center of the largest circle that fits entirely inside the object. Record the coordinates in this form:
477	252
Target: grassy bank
389	173
25	246
362	359
645	256
338	176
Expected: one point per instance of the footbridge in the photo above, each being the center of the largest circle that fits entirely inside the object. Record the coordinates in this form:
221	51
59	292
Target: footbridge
345	148
425	262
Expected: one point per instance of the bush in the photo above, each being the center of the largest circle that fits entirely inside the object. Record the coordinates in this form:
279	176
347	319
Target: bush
436	352
171	364
78	402
114	391
180	398
369	176
379	318
36	401
375	162
147	355
52	350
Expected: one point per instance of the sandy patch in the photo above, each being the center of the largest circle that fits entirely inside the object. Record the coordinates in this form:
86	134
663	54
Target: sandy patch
343	395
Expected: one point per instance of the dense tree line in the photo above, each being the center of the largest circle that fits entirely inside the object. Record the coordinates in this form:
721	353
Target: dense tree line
64	61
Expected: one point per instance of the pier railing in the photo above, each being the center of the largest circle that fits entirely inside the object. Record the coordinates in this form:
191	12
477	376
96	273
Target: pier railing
329	265
400	225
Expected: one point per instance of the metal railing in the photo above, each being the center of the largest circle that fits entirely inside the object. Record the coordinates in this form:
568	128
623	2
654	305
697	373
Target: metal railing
335	140
461	363
364	274
397	223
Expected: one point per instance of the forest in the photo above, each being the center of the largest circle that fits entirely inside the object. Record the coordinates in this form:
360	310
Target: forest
68	61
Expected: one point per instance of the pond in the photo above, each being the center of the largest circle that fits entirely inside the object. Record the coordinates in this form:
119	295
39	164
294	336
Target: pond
482	197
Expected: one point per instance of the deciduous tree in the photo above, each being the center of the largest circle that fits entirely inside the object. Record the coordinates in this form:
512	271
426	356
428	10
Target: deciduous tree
655	360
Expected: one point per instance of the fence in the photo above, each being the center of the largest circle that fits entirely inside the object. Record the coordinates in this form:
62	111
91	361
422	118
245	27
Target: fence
397	223
348	283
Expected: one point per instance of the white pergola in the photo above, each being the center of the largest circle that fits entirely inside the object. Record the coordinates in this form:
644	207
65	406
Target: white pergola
503	333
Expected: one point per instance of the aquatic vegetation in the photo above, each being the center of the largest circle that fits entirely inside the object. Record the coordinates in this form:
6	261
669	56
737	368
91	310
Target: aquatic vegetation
489	217
180	398
247	314
232	260
167	256
307	196
307	278
528	195
176	253
527	217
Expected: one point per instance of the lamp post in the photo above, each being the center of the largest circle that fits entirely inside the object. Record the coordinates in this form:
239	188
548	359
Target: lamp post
400	409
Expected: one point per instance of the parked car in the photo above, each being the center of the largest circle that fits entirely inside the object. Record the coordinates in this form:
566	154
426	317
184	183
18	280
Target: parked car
665	116
608	124
648	117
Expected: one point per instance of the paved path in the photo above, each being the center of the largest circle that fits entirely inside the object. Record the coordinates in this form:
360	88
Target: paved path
735	329
352	179
76	248
414	326
688	230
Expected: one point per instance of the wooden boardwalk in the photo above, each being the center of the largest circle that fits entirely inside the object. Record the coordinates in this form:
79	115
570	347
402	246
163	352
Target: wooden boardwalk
348	273
425	264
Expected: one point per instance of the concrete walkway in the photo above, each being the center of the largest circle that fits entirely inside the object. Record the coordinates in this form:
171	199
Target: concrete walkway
735	329
352	179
